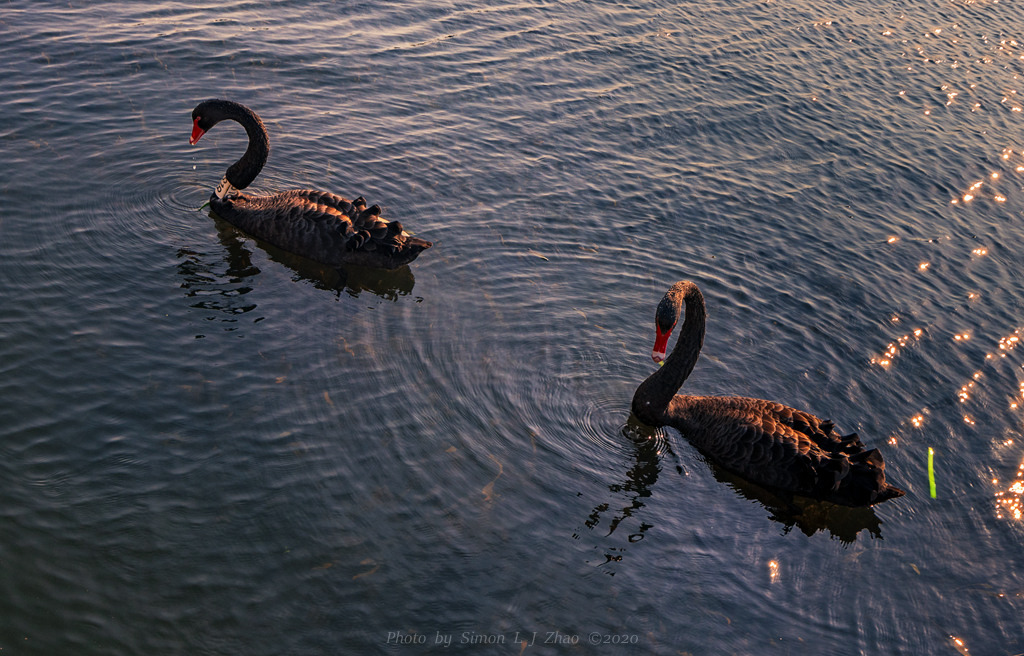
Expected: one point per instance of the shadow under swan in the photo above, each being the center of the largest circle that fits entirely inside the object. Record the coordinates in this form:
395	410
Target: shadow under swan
388	284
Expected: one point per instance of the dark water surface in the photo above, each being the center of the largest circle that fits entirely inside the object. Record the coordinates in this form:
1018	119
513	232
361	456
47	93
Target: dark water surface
210	447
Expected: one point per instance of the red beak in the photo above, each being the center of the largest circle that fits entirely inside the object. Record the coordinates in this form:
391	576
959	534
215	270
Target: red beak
660	344
197	132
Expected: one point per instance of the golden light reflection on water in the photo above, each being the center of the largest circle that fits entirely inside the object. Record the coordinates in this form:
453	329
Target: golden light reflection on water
1009	495
1004	346
1010	501
974	191
1014	404
957	55
773	570
893	349
1012	498
959	645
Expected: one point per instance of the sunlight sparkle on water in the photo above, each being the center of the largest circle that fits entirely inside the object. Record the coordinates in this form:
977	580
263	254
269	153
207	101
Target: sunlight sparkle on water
1010	502
1005	344
959	645
893	349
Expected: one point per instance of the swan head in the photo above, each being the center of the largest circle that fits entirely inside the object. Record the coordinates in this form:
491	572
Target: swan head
665	318
201	122
206	115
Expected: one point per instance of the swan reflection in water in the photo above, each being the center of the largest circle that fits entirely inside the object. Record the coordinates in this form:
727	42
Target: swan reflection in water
640	478
650	448
224	288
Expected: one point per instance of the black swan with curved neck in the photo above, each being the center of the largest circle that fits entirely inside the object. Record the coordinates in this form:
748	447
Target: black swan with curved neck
768	443
315	224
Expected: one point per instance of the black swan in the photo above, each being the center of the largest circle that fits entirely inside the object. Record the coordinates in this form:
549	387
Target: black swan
314	224
765	442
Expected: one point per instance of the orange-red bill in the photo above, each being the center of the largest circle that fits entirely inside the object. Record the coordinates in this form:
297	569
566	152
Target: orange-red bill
660	344
197	132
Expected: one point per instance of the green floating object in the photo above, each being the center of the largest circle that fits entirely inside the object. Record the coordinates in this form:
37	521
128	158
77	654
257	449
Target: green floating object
931	471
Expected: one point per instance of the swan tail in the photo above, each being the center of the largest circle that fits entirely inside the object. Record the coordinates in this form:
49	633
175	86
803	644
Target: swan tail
369	238
828	438
859	479
384	239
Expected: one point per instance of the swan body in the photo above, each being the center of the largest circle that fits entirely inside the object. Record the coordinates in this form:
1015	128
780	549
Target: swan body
765	442
315	224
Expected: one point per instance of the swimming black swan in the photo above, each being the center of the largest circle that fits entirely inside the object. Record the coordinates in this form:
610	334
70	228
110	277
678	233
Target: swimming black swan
315	224
768	443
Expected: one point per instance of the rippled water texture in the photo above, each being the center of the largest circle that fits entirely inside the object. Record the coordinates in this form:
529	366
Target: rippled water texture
210	446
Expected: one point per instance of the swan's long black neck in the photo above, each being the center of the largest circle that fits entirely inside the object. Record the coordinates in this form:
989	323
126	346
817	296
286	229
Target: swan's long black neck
653	396
240	174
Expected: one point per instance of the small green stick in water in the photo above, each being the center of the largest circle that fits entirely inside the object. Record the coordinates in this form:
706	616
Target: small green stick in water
931	471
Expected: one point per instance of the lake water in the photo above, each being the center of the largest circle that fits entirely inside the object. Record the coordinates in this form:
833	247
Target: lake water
212	447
